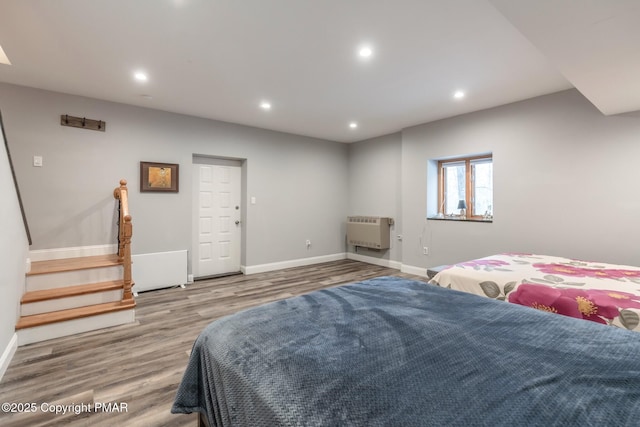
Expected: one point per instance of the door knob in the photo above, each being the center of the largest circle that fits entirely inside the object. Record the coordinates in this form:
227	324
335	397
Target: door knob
237	222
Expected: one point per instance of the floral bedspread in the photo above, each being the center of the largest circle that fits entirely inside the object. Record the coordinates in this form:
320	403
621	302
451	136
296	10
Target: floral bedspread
595	291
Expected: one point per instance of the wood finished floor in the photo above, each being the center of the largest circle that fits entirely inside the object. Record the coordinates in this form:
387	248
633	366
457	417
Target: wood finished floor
141	364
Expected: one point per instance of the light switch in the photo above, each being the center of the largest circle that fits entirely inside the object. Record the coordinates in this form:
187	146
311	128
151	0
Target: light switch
253	200
37	161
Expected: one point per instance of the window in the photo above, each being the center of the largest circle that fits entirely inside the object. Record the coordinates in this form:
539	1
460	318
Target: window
465	187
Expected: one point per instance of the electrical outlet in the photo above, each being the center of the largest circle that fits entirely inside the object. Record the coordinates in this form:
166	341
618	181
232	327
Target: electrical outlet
425	250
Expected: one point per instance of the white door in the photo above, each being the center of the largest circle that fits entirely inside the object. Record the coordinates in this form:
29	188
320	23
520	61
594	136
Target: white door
217	227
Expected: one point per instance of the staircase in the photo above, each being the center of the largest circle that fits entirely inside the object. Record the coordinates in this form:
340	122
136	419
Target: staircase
71	295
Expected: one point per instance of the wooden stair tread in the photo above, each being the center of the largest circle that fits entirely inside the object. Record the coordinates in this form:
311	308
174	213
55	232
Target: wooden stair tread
73	313
70	291
72	264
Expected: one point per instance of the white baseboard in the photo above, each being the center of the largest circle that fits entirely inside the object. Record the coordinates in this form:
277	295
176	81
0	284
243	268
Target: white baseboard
7	354
262	268
375	261
73	252
410	269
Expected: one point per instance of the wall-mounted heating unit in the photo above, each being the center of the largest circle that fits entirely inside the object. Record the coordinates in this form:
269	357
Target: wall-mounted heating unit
369	231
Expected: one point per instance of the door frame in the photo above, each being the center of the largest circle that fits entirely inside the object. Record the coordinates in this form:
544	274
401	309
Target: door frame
204	159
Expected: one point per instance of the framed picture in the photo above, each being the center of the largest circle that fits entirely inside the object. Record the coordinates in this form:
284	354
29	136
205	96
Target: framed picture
162	177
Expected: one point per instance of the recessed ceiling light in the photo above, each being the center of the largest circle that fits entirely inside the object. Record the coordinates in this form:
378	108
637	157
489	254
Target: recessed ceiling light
3	57
353	125
265	105
140	76
365	52
458	94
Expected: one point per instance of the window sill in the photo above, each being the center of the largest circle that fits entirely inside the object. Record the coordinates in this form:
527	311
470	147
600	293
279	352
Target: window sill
453	218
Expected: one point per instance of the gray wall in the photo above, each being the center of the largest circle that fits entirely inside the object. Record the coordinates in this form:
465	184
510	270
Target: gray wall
375	187
298	182
565	183
563	174
565	178
13	252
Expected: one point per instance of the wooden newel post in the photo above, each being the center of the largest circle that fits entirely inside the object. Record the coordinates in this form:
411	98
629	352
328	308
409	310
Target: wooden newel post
125	231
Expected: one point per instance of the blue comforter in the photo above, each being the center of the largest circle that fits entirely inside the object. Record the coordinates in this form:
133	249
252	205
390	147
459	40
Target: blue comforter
395	352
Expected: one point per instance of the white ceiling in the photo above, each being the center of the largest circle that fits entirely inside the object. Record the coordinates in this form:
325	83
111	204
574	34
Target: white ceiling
219	59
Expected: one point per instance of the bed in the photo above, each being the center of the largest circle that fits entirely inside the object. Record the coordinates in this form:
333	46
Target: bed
397	352
595	291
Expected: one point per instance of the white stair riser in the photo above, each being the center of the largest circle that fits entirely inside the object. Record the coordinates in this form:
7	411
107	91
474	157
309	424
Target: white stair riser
40	282
75	326
70	302
74	252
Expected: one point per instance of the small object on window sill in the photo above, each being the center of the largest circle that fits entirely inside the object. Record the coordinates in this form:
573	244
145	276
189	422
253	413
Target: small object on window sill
458	218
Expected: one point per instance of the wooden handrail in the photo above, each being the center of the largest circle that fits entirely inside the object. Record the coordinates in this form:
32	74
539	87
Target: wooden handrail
125	231
3	134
